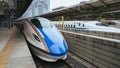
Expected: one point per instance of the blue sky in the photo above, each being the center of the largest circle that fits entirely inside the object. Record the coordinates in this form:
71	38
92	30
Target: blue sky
58	3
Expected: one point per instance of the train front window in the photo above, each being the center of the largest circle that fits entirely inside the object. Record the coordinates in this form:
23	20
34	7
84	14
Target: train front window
101	24
36	23
45	23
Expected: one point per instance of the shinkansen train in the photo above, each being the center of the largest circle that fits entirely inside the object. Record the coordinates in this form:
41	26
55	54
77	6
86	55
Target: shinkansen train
47	42
87	25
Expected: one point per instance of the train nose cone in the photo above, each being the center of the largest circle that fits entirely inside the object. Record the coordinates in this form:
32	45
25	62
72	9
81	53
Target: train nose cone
54	41
58	49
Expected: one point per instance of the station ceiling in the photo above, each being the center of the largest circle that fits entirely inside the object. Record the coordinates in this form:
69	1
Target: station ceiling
90	9
94	8
21	7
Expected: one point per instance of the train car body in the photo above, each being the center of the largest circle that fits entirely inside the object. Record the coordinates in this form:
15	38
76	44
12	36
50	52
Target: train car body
47	42
87	25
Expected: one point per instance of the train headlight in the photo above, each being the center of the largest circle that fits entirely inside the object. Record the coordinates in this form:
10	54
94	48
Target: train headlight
36	37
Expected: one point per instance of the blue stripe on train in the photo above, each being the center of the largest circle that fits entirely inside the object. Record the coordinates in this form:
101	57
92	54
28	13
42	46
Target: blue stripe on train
54	41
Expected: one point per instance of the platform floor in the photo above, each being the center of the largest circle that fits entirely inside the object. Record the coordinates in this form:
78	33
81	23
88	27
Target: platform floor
5	35
16	53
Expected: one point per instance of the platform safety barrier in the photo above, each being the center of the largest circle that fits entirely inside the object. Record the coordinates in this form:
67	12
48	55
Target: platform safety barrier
99	51
97	33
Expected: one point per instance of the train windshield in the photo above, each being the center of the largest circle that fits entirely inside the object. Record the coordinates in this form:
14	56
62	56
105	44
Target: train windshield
36	23
101	24
41	23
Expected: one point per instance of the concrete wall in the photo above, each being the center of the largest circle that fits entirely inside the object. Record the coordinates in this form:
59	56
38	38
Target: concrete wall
99	51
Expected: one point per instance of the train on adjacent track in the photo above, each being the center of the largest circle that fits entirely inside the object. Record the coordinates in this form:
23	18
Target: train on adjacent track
87	25
46	41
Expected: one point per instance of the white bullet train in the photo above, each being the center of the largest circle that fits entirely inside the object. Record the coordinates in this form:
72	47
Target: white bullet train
47	42
87	25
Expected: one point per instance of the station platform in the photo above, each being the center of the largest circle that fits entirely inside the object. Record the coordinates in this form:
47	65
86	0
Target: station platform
5	35
14	52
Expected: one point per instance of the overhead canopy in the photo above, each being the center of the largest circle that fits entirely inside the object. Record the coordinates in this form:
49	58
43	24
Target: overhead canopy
21	6
96	7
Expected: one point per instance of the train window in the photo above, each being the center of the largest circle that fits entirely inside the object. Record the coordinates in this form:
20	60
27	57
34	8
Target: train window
68	25
74	26
101	24
83	25
36	23
79	24
71	25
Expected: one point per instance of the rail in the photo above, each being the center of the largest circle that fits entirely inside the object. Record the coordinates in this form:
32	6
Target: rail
59	64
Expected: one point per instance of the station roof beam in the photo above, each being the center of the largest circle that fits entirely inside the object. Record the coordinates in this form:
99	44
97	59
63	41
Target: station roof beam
103	3
93	7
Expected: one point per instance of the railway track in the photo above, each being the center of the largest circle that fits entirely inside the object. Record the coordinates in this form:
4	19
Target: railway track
58	64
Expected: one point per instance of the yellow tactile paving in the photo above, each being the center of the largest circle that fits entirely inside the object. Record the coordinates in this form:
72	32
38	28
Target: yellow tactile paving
4	54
